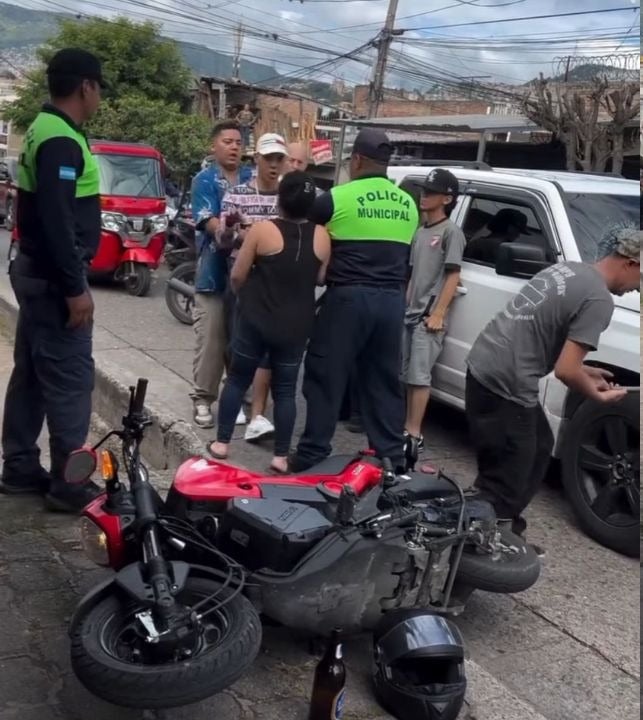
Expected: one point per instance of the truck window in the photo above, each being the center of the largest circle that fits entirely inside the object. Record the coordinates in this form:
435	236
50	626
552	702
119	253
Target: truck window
491	221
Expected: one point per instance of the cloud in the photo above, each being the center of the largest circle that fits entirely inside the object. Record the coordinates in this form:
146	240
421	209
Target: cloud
506	51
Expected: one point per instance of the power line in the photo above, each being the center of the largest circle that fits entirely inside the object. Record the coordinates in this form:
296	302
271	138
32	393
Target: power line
521	19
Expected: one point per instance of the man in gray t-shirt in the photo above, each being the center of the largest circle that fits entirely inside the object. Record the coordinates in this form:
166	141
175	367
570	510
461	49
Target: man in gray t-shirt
551	324
436	257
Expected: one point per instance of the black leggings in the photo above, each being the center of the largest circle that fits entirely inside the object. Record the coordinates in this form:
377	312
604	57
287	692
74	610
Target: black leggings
513	448
249	348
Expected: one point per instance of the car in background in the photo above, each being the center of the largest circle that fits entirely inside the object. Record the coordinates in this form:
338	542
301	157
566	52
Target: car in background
8	191
567	215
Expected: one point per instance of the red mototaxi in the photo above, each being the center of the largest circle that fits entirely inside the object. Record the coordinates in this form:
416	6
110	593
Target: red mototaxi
133	213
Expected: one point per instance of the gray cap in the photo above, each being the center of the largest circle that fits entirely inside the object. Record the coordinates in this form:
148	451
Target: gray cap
628	243
374	144
621	240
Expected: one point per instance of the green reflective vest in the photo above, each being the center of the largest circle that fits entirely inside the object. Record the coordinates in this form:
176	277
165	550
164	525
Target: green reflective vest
45	127
372	209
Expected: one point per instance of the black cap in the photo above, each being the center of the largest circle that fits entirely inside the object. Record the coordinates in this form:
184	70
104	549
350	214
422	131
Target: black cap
76	63
374	144
440	181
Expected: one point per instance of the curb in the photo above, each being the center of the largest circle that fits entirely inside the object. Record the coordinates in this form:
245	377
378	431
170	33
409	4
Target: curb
169	441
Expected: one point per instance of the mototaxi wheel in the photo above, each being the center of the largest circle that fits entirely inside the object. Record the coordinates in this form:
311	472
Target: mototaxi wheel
138	280
178	304
114	663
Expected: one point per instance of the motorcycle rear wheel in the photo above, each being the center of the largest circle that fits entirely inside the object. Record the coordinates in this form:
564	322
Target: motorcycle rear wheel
508	572
107	659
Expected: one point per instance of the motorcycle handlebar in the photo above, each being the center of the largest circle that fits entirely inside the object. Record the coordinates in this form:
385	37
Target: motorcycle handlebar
138	399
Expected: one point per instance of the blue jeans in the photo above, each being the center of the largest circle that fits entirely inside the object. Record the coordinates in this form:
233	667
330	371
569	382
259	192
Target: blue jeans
52	378
249	347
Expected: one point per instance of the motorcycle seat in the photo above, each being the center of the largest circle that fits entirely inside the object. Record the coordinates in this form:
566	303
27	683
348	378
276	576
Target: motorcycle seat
333	465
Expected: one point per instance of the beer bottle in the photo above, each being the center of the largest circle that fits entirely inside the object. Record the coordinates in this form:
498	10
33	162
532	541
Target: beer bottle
327	700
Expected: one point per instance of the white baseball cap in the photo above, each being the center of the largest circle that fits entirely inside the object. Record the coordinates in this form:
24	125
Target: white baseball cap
271	144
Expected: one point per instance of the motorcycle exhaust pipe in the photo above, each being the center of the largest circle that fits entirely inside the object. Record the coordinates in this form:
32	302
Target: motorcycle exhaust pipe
181	287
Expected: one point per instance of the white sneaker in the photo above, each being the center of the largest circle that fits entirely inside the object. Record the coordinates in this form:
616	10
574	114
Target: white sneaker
241	418
203	415
258	428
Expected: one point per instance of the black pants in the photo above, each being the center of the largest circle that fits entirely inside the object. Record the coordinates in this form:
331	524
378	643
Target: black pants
52	378
357	328
513	447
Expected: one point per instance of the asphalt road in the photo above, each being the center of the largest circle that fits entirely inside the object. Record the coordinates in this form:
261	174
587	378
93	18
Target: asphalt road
568	648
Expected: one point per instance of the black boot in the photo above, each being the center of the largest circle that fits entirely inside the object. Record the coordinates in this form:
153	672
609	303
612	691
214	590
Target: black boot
71	498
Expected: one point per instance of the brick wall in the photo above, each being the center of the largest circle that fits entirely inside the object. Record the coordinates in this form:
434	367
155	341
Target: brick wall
277	112
393	106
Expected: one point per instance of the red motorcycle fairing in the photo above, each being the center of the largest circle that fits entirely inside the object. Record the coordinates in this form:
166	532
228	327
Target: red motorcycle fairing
112	526
202	479
150	255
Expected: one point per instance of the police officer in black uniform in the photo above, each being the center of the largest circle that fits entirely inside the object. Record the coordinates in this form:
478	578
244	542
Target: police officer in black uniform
359	326
58	229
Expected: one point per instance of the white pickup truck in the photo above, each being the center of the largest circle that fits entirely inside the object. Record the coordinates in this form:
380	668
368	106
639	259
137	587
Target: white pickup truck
567	214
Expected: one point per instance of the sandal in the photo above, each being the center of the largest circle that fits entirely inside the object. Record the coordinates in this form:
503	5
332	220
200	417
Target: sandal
215	455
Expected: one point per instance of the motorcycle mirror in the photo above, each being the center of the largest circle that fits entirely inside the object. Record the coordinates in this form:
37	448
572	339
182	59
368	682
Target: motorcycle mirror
80	466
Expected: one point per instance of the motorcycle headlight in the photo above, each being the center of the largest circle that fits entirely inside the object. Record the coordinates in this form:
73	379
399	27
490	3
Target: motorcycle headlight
159	223
94	542
112	221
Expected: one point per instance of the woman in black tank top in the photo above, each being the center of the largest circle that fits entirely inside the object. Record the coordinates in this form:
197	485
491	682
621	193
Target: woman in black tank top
275	275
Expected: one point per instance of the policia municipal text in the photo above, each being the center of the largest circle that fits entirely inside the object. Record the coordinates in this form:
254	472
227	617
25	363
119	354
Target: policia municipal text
58	216
371	223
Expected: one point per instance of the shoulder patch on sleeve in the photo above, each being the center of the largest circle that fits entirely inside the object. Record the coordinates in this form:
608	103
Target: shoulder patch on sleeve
66	173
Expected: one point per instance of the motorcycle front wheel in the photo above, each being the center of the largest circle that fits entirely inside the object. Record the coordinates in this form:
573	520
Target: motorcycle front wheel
112	660
139	281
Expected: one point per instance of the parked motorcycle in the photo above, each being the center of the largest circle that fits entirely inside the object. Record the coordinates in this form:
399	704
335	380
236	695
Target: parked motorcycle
179	292
336	546
180	241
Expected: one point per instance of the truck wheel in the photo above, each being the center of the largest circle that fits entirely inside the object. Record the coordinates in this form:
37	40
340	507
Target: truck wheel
505	572
111	660
181	305
601	472
139	281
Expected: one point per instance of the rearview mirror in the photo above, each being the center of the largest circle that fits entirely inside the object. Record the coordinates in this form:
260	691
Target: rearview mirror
80	466
520	260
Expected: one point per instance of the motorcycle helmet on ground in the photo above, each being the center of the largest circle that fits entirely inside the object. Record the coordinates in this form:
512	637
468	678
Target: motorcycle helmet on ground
419	665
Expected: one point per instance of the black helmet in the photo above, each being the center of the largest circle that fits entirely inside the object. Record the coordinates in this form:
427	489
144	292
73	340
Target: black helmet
419	665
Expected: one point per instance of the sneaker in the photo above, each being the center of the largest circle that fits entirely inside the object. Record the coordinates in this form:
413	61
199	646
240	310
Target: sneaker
37	484
241	418
203	415
71	498
258	428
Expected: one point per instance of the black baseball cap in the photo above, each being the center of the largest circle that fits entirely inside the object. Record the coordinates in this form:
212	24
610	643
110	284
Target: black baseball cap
373	144
441	182
76	63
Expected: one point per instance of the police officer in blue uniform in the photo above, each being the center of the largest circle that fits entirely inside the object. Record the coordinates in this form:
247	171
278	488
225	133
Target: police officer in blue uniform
59	229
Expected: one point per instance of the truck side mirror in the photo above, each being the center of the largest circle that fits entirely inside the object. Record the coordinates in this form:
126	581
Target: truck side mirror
520	260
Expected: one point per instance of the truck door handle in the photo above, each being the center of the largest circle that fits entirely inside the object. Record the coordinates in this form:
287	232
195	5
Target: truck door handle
461	290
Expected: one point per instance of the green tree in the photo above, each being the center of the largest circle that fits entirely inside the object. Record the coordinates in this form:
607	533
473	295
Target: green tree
148	96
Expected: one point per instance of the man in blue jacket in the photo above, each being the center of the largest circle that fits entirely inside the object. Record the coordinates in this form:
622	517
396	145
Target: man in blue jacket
210	324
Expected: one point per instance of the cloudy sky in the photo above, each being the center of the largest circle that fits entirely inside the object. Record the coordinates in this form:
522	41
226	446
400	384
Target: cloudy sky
455	39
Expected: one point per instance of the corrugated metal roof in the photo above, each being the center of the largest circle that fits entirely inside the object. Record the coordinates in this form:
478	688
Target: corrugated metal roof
450	123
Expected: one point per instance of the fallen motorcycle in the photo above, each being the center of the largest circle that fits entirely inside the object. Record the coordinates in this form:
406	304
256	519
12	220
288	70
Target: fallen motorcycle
336	546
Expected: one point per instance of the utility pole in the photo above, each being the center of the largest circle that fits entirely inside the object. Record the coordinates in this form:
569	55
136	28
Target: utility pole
376	89
238	44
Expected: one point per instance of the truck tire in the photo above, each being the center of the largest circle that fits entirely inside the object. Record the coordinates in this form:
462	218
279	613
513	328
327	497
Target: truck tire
505	573
601	472
99	638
